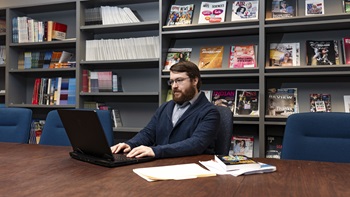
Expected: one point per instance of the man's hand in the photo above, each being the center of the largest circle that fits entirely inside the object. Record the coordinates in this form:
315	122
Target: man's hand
121	146
141	151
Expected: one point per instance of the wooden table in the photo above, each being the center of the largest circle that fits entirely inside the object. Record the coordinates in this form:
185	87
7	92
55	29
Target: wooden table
36	170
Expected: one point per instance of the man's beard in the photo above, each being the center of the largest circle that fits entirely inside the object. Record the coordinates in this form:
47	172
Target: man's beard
186	95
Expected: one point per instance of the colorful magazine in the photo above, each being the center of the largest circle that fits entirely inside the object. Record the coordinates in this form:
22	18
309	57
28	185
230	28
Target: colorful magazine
243	10
212	12
282	101
242	57
210	57
180	15
247	102
284	54
224	98
314	7
320	103
322	52
284	8
176	55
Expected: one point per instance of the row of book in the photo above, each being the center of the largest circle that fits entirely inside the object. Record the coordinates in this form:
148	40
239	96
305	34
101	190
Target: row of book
45	59
121	49
115	113
210	57
54	91
107	15
215	12
280	102
101	81
25	29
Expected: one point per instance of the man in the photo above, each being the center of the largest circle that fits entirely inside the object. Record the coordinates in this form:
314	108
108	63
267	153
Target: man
186	125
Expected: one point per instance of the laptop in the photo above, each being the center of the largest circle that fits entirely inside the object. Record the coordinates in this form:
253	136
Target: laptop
89	141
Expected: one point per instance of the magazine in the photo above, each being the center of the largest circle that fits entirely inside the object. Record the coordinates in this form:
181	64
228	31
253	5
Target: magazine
346	50
314	7
346	6
180	15
176	55
284	54
247	102
212	12
243	10
322	52
224	98
347	103
242	57
282	101
210	57
274	146
284	8
242	145
320	103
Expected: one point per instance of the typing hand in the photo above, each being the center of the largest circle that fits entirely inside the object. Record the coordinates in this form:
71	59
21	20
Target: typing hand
141	151
121	146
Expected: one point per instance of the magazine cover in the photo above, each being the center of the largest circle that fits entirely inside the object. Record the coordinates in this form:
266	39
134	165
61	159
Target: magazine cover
284	8
242	145
242	57
322	52
314	7
247	102
212	12
210	57
346	50
180	15
224	98
243	10
320	103
346	6
284	54
281	102
176	55
274	146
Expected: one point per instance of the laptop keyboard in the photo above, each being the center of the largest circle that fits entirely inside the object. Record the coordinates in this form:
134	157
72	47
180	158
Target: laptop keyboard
122	157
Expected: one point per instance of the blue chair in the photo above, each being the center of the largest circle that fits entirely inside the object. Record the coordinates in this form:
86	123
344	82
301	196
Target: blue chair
317	137
15	124
55	134
225	131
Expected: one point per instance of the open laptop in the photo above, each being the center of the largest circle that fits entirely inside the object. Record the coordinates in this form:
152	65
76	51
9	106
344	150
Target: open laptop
89	141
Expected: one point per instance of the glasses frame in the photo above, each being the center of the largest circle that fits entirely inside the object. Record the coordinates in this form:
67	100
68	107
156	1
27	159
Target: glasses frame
178	81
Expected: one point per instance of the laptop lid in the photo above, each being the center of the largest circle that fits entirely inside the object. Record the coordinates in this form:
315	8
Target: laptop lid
88	140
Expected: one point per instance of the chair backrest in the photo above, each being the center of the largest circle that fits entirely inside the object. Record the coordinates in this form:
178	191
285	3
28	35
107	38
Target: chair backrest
317	136
225	131
15	124
55	134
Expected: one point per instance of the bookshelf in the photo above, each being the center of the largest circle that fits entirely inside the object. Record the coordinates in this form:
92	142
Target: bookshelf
144	81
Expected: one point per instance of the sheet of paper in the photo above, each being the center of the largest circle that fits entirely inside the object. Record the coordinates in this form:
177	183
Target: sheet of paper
173	172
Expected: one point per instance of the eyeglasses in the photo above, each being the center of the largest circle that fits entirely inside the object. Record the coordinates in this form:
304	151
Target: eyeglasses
178	81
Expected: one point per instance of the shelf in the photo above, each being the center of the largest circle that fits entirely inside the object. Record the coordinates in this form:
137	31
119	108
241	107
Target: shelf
123	64
42	106
45	45
124	27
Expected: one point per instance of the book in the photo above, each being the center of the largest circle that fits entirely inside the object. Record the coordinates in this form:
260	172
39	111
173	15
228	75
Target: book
180	15
211	57
236	162
314	7
224	98
117	120
281	101
244	10
347	103
59	31
242	56
208	94
176	55
242	145
346	6
2	54
212	12
247	102
322	52
284	8
284	54
273	146
320	103
169	95
346	50
2	26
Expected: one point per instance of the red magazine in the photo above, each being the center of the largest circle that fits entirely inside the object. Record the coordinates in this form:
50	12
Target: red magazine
59	31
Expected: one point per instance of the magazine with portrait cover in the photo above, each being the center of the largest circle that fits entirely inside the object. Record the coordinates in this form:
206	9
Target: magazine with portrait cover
180	15
247	102
320	103
284	8
242	145
212	12
322	52
346	50
281	101
242	56
224	98
284	54
243	10
314	7
176	55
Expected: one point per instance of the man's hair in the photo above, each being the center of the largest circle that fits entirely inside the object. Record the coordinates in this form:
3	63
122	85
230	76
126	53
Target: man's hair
190	68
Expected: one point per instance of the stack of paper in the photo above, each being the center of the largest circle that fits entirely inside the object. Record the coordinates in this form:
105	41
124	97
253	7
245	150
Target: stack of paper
173	172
